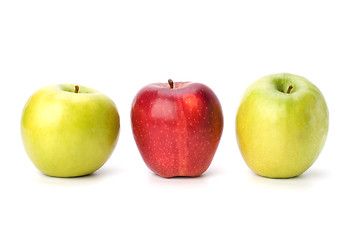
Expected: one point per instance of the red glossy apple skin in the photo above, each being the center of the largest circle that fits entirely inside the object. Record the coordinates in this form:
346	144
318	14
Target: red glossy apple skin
177	130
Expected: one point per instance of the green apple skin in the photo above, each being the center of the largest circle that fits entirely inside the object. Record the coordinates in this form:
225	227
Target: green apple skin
68	134
281	134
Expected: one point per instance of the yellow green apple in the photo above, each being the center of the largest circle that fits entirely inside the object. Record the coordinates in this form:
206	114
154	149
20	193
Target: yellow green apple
281	125
69	130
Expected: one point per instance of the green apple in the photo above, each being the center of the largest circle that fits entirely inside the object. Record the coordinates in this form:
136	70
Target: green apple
281	125
69	130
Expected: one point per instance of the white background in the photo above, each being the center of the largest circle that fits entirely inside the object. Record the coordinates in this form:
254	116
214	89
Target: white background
117	47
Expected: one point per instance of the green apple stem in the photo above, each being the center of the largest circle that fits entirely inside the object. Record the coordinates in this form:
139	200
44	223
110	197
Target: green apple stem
289	89
171	83
76	88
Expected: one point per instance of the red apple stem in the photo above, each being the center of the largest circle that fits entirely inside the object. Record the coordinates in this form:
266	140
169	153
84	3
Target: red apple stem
76	88
289	89
171	83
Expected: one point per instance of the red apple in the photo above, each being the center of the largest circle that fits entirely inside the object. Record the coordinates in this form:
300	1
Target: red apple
177	127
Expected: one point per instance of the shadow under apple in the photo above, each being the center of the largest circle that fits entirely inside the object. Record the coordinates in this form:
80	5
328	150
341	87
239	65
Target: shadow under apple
303	181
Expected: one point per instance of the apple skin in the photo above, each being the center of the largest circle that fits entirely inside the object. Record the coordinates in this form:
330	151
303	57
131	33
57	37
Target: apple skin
281	134
68	134
177	131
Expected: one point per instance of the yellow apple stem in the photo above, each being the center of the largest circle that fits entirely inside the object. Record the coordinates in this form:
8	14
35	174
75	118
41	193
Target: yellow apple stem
171	83
76	88
289	89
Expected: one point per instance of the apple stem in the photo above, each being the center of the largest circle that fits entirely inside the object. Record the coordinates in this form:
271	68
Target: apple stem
289	89
171	83
76	88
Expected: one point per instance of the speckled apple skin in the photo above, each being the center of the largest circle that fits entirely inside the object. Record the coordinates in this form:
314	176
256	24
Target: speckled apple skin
177	131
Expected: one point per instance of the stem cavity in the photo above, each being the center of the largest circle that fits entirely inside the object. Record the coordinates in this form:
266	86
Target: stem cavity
76	88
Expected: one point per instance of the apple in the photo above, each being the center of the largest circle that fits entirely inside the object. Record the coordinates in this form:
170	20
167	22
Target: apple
177	127
69	130
281	125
